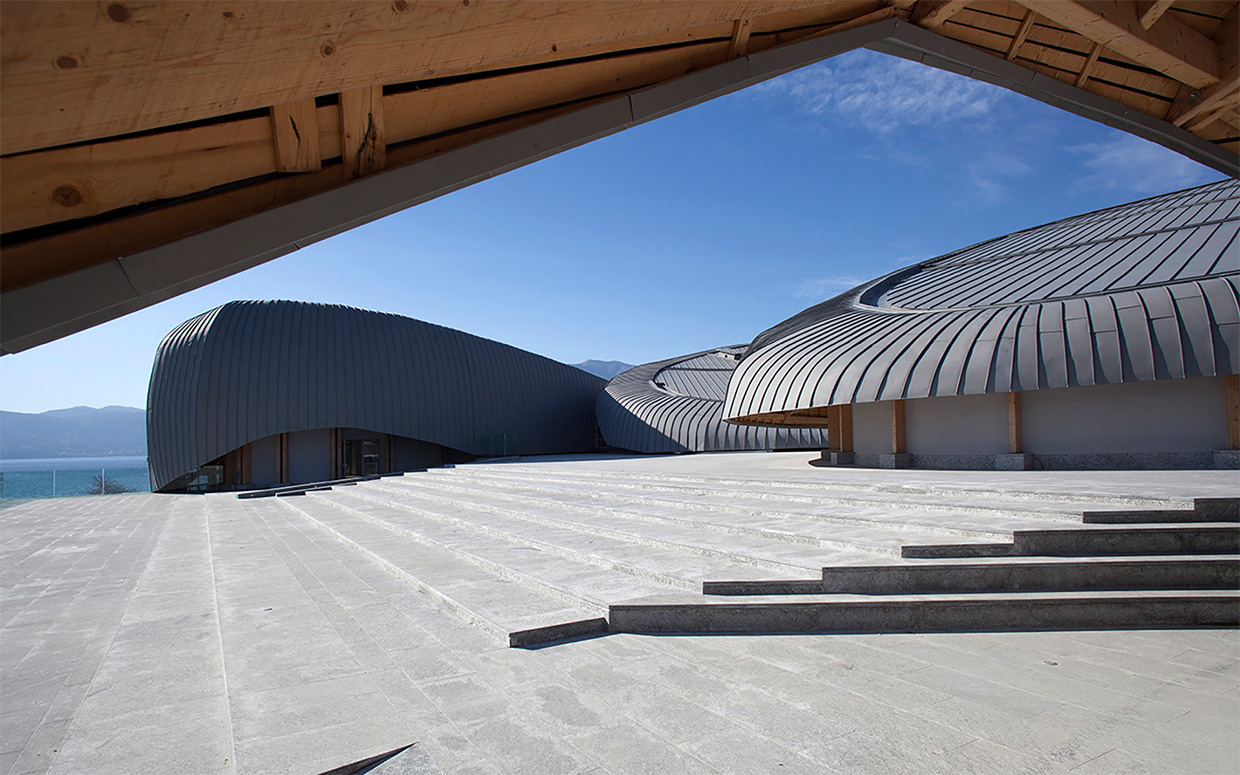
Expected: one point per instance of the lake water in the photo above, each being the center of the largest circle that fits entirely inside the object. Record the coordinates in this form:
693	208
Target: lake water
61	477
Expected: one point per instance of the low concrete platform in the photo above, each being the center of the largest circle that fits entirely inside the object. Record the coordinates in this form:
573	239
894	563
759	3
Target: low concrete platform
208	634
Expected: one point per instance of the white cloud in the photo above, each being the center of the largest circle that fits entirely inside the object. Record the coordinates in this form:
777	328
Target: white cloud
987	173
886	94
827	287
1128	163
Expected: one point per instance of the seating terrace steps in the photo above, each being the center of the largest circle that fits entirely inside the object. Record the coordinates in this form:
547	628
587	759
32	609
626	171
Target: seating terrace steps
279	634
533	556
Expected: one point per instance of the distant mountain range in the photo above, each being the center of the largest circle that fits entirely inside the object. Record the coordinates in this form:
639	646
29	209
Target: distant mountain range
81	431
604	369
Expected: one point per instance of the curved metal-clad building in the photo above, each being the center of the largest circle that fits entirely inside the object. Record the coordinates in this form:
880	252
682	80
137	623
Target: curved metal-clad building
1140	292
676	405
276	391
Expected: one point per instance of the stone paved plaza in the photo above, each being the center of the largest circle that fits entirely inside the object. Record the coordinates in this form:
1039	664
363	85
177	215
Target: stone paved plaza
209	634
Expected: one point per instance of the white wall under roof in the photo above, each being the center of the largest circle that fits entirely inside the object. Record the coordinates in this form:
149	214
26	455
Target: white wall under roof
872	428
957	425
1170	415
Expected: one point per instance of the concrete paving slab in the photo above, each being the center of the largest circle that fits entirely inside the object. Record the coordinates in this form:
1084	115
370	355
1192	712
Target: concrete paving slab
351	660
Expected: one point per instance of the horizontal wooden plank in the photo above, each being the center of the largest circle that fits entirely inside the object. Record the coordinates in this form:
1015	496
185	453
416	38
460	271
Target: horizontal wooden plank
40	259
122	173
431	111
1044	45
68	69
991	33
1203	16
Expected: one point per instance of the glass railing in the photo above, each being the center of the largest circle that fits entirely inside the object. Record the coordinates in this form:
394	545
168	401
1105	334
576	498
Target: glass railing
69	477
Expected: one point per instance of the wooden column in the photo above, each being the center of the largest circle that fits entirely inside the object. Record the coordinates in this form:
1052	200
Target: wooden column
833	428
1015	440
247	465
282	457
846	425
899	445
1231	387
334	455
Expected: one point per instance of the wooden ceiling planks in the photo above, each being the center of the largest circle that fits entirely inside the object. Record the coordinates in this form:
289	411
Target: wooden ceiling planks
75	71
127	126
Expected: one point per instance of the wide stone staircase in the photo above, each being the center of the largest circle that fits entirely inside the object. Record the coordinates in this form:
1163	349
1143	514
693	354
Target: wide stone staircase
535	554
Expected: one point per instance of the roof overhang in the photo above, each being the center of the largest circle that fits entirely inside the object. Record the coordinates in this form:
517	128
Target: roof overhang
62	276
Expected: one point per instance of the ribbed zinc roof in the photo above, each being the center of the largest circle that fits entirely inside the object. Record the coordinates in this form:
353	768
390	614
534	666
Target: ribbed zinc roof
1141	291
676	405
251	369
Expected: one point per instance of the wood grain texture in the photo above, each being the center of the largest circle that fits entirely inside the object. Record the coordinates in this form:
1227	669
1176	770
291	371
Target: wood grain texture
1016	438
122	173
39	259
295	131
846	428
70	73
1169	46
1191	103
363	138
899	438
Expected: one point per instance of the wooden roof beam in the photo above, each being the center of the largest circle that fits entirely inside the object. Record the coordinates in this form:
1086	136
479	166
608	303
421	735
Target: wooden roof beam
1090	63
1169	46
1190	103
1021	34
740	38
1152	11
70	69
932	14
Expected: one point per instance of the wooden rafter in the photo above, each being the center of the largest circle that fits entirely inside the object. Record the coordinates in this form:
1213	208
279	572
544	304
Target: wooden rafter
1152	10
127	126
935	13
213	60
1091	62
1192	103
123	173
1169	46
1022	33
740	38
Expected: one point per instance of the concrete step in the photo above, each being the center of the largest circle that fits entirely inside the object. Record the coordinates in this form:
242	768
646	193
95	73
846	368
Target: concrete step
1050	574
960	514
1217	509
672	567
538	561
517	610
764	530
786	553
930	613
816	487
1204	510
1198	538
1140	516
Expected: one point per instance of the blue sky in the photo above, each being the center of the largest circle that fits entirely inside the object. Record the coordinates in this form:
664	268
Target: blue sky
697	230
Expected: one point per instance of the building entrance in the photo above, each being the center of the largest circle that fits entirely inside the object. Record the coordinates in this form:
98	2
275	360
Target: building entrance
361	457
